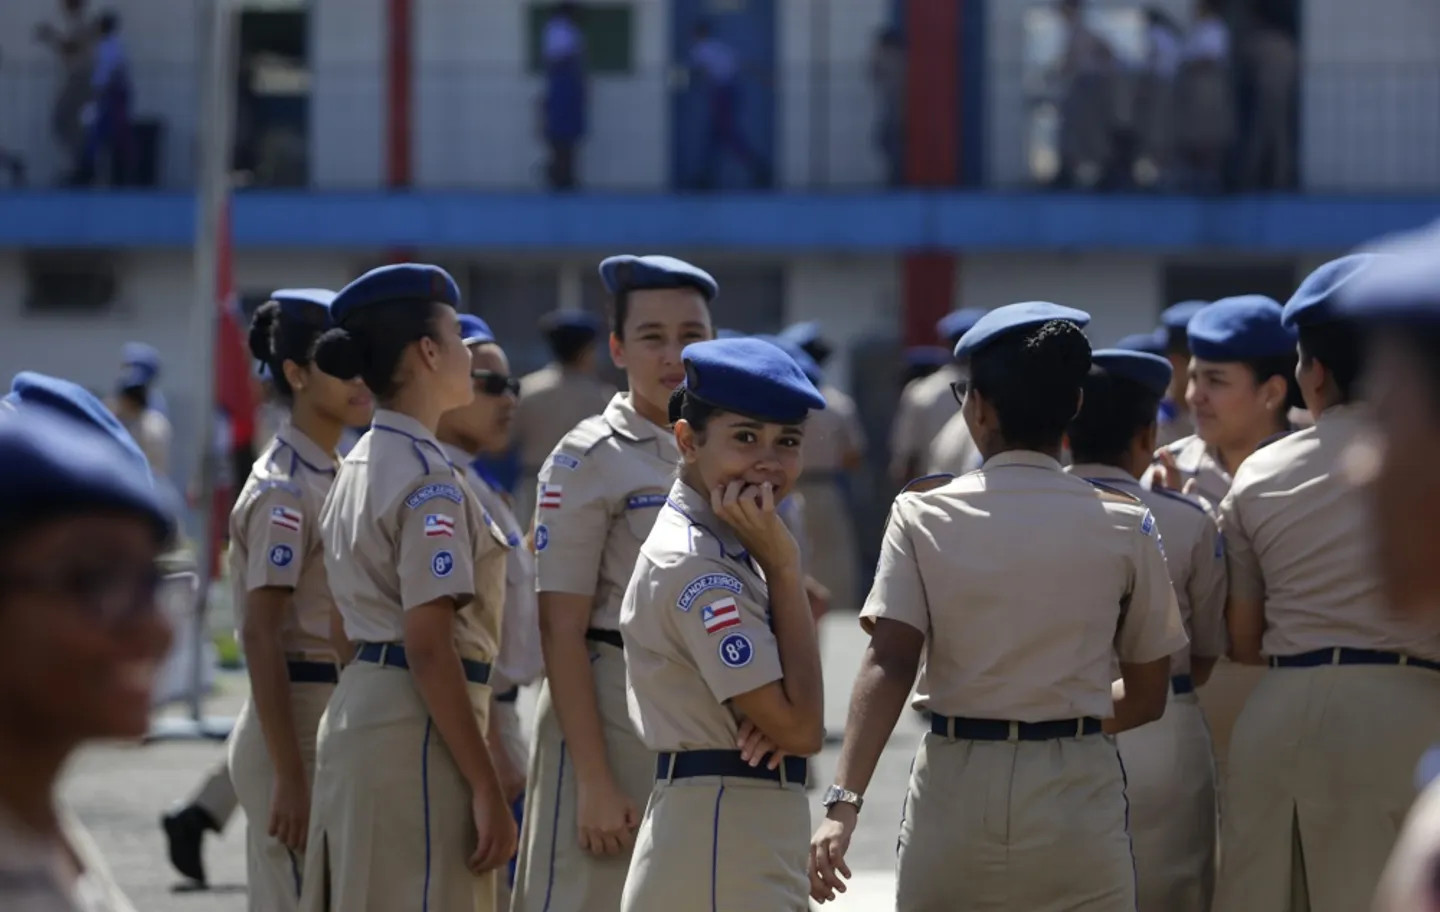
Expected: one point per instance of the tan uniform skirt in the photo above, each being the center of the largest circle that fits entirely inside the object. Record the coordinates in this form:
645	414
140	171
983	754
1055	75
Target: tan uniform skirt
390	820
1170	782
1321	776
272	870
1033	825
714	842
553	873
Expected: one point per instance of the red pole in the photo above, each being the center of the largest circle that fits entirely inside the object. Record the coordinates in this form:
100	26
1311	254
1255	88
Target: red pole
398	81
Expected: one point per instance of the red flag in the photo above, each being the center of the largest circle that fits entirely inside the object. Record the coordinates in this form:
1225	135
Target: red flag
233	390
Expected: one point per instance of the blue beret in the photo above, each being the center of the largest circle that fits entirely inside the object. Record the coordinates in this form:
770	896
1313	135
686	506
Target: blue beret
474	330
750	377
1241	328
1150	371
572	321
1177	316
802	357
135	375
639	273
1314	301
304	303
31	389
729	334
804	333
56	464
142	354
928	356
417	282
1003	321
958	322
1402	287
1154	342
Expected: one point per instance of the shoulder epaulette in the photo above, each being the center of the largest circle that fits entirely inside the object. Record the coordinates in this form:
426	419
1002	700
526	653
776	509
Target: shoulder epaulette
927	483
1108	492
586	435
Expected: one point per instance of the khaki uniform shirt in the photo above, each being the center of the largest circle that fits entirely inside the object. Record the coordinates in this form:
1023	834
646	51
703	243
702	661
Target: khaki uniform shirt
401	528
953	451
520	660
1029	584
1297	535
275	539
1196	460
552	401
831	434
152	433
41	876
1194	555
598	496
696	620
925	405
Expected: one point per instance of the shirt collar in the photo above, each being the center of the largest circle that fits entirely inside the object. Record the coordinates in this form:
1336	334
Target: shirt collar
458	457
1351	411
1029	458
404	424
311	453
1102	472
621	415
695	507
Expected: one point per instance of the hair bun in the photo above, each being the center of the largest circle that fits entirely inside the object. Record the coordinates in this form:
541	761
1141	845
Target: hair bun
340	354
676	406
262	330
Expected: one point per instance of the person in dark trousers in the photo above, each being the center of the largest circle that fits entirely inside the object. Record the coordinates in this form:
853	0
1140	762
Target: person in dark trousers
563	50
716	62
108	114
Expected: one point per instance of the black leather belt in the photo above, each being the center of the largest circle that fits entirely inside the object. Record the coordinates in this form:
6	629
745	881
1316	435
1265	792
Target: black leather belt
312	672
692	764
508	696
1345	655
608	637
1182	684
392	655
1003	730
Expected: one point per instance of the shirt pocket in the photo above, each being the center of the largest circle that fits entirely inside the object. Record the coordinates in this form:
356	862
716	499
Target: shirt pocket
641	507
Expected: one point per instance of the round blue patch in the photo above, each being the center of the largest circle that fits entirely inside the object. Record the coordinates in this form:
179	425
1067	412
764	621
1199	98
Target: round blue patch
282	555
542	538
736	651
442	564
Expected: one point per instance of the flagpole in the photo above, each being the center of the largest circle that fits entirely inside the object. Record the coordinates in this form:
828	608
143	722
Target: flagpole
212	238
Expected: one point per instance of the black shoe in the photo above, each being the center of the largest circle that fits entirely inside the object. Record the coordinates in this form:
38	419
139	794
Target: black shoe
184	831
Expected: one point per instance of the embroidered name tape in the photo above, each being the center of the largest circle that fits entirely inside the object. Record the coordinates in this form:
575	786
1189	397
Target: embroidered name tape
703	584
278	485
565	461
432	491
645	501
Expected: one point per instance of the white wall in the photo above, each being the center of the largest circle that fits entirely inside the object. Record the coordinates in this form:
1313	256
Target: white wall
1370	95
347	93
477	109
160	37
826	108
1121	292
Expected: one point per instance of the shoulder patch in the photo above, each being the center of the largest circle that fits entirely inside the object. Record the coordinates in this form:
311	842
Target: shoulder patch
927	483
432	491
565	461
1147	525
703	584
644	501
736	650
277	484
1107	492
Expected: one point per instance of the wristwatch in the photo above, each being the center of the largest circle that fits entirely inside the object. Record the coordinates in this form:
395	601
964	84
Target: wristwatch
836	795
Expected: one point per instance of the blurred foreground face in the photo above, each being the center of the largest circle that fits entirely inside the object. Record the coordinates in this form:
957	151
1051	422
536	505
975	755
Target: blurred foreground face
1400	464
81	635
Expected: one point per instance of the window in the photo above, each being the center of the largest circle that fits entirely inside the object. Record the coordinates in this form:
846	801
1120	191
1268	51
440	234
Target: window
70	281
609	36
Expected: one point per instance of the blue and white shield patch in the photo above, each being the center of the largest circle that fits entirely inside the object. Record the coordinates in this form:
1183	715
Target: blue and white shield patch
542	538
1147	525
442	564
282	555
736	651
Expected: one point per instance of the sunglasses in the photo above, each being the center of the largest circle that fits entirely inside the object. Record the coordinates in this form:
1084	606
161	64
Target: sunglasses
493	384
958	390
113	595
